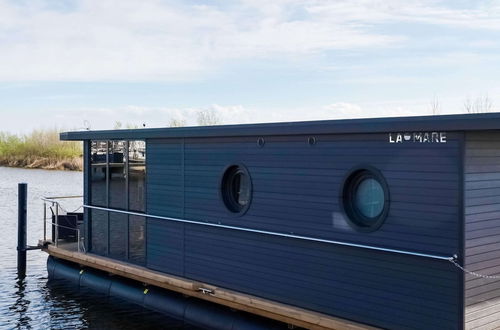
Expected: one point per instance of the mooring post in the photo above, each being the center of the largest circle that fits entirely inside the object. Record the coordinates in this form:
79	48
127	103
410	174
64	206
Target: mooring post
21	229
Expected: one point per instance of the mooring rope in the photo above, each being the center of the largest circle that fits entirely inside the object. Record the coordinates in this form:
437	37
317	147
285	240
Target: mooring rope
64	210
470	272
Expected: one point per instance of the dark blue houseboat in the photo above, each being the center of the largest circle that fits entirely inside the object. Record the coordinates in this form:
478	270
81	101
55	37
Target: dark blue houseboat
329	224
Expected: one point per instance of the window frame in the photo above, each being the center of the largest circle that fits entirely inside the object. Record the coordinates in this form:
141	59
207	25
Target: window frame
349	186
144	208
91	174
125	161
109	148
127	173
225	194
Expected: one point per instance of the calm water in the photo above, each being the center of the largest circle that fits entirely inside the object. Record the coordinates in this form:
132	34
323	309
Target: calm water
33	303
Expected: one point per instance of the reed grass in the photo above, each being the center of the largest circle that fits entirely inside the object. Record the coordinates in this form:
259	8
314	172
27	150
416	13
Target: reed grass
40	149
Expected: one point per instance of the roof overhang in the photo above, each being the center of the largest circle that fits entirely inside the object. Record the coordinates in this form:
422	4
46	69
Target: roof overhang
462	122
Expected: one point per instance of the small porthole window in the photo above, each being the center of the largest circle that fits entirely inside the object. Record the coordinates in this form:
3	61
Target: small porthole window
236	189
365	198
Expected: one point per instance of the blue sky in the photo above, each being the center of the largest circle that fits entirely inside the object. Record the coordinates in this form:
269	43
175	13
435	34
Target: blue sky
66	62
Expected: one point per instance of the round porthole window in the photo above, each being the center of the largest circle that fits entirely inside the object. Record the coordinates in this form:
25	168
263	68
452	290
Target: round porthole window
236	189
365	198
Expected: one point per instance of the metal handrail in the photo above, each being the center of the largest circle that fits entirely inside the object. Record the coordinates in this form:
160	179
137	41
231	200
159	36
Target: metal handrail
54	202
79	244
271	233
59	197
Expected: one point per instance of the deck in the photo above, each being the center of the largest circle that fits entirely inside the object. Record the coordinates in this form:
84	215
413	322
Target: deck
247	303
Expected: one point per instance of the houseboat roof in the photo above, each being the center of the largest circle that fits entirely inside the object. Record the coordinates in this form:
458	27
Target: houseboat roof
458	122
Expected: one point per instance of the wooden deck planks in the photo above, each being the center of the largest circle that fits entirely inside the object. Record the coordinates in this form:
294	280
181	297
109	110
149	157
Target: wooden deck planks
255	305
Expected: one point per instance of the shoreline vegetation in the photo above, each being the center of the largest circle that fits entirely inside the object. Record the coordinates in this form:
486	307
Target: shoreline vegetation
40	149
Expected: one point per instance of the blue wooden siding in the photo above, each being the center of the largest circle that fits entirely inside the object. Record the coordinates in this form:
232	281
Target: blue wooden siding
482	229
374	288
165	196
296	190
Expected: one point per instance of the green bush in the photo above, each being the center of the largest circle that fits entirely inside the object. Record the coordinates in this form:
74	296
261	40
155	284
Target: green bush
39	149
39	143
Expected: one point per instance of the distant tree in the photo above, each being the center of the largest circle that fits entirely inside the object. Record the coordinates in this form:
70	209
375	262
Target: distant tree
481	104
120	125
468	105
435	106
208	117
176	122
131	126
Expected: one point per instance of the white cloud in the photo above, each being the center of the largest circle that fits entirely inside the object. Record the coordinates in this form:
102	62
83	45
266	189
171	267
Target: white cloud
157	40
347	110
478	15
105	118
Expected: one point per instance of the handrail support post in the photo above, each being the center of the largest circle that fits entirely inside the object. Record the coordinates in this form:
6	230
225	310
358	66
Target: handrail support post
44	222
56	229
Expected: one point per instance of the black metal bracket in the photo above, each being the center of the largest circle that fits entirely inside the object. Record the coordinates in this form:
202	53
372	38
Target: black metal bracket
30	247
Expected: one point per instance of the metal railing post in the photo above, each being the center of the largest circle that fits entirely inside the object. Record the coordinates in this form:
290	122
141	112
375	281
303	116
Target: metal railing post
44	222
78	239
57	224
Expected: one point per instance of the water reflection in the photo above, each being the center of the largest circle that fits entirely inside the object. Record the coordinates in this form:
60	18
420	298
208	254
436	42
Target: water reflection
33	303
86	309
21	304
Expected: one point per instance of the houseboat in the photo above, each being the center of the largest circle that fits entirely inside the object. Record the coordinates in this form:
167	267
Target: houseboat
387	223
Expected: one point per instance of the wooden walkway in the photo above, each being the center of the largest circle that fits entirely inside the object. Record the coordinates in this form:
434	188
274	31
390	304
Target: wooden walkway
255	305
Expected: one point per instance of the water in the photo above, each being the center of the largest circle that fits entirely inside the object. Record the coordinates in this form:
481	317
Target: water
34	303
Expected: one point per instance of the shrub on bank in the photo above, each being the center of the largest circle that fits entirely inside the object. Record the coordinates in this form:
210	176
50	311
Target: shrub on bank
40	149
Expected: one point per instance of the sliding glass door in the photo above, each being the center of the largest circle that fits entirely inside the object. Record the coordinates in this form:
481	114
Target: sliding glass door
117	182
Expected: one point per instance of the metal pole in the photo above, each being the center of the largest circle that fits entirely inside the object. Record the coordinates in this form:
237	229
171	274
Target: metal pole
44	222
21	229
271	233
78	239
57	224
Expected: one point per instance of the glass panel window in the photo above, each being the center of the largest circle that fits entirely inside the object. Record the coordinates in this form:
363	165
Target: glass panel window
99	232
366	199
137	175
98	172
241	188
118	235
137	239
117	175
117	180
369	198
236	189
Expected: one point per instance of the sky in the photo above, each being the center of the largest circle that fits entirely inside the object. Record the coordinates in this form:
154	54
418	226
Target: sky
77	64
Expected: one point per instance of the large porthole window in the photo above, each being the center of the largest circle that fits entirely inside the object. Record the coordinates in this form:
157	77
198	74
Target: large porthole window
365	198
236	189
